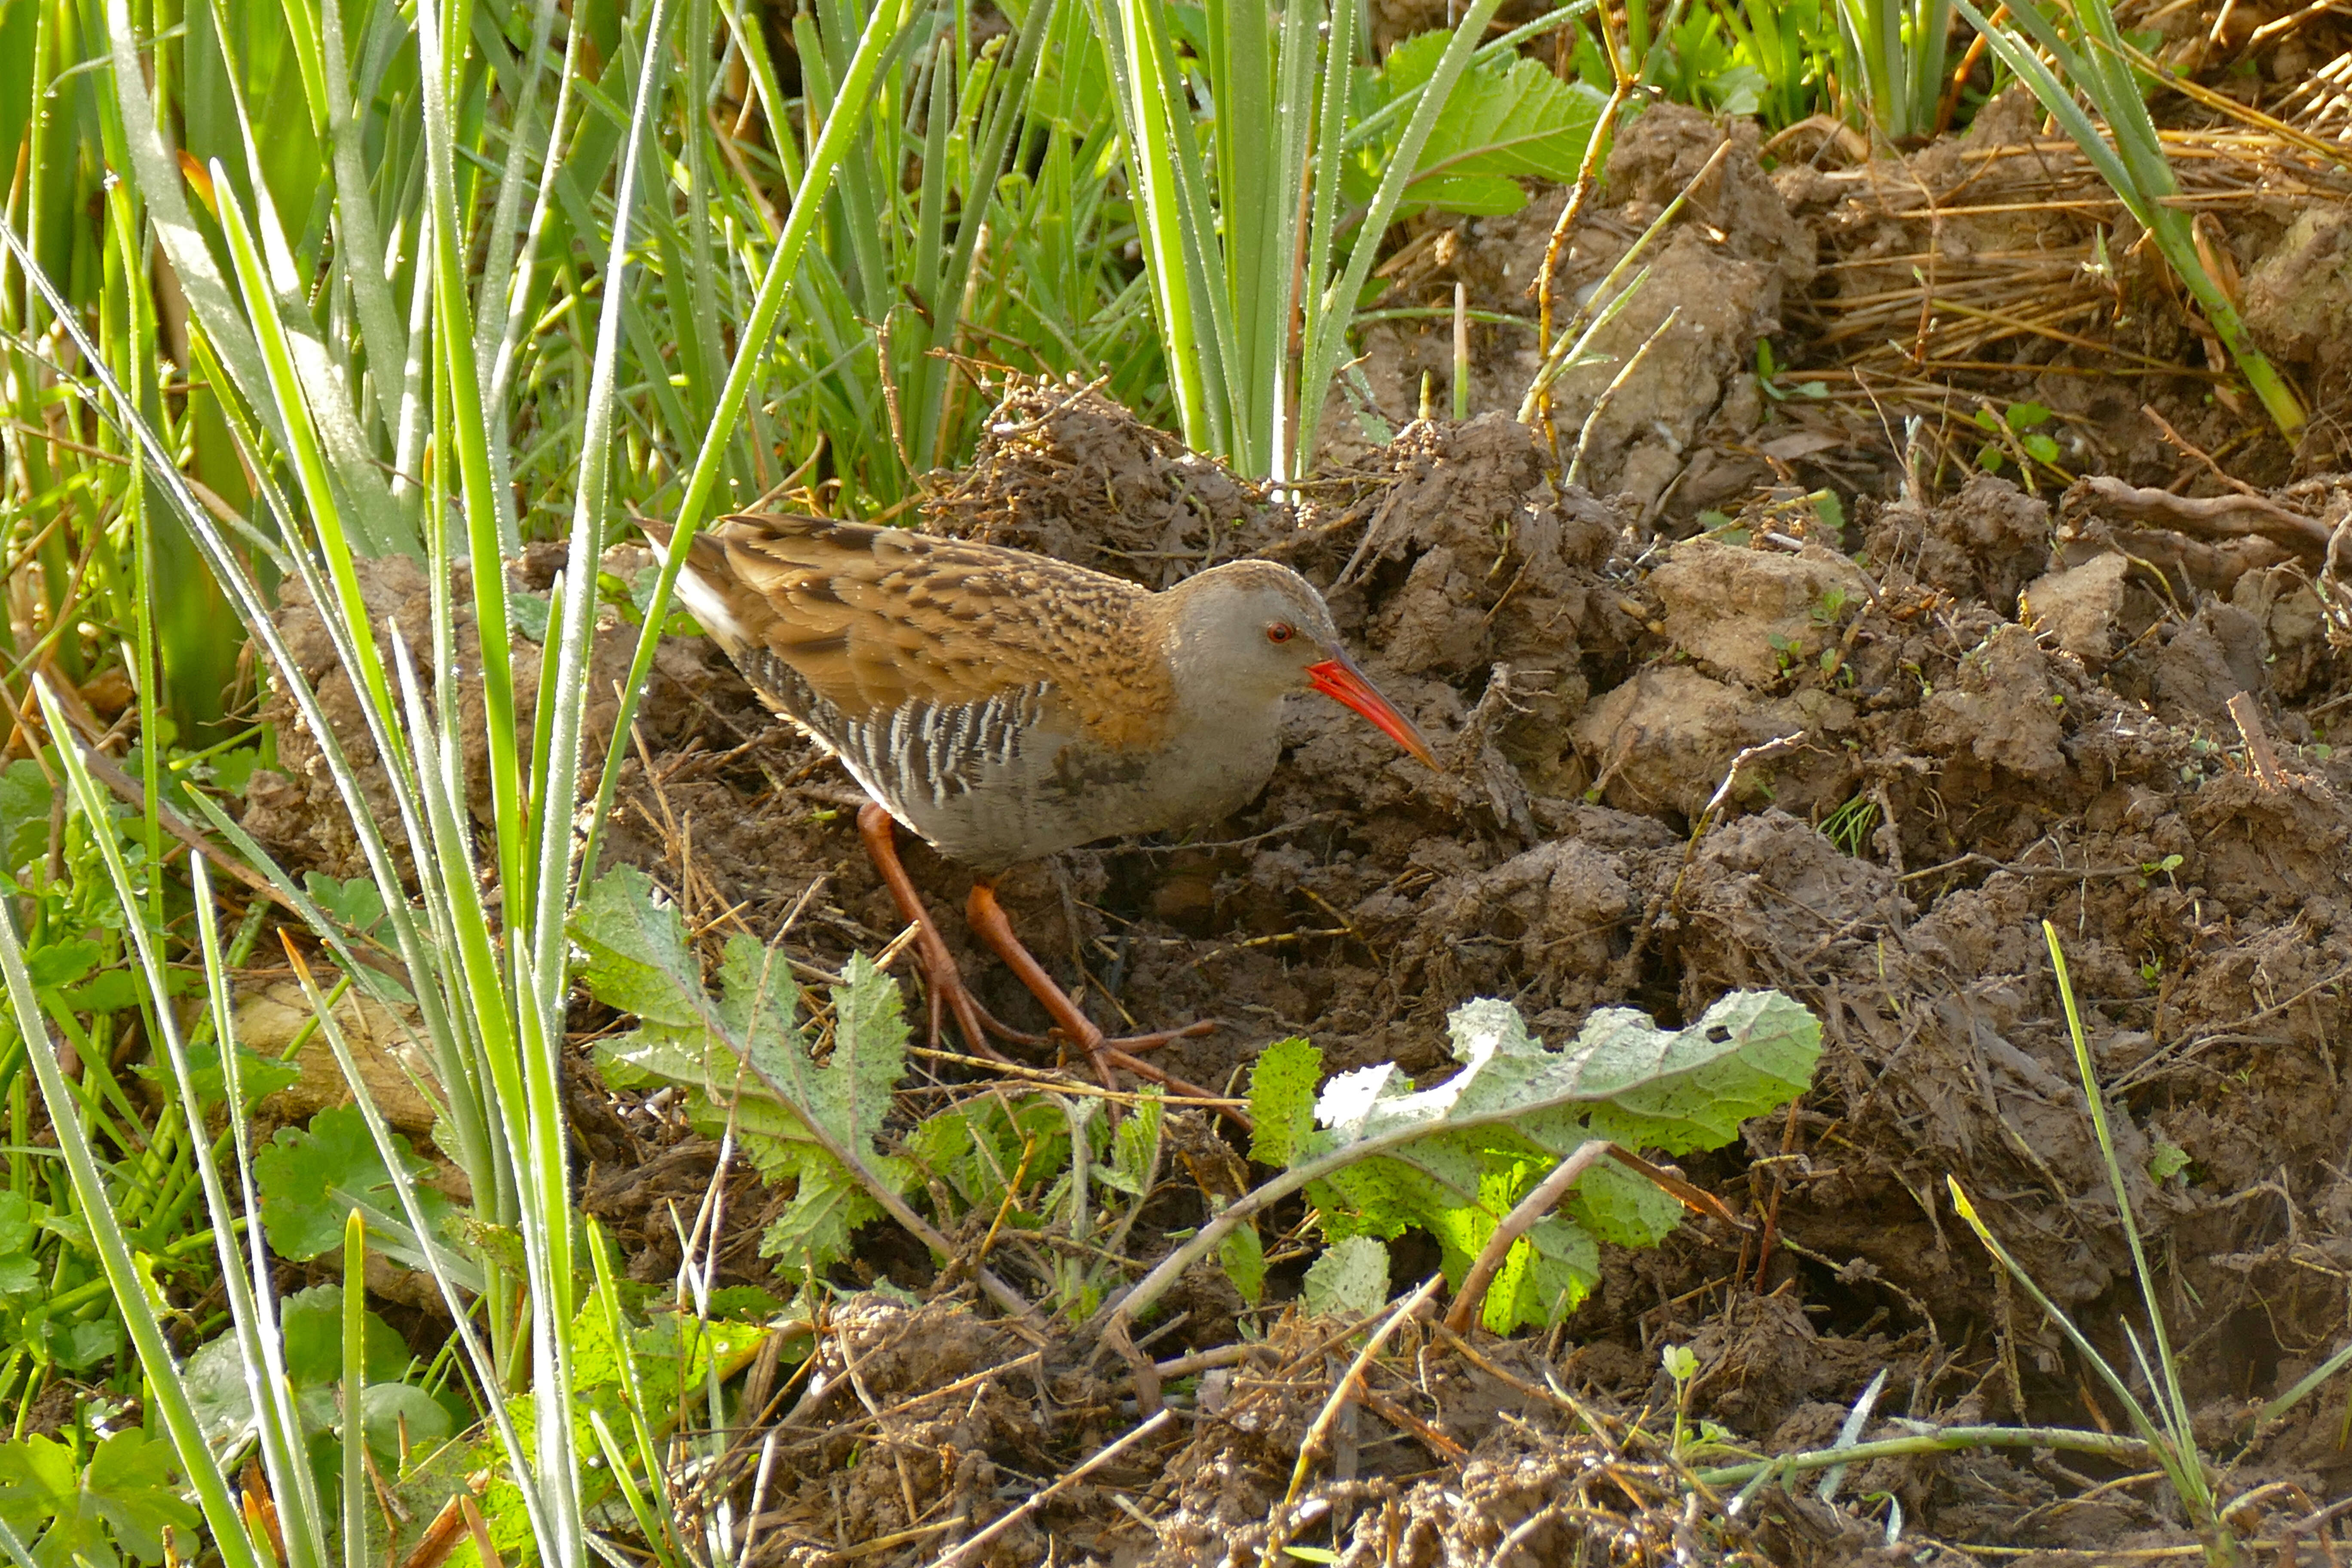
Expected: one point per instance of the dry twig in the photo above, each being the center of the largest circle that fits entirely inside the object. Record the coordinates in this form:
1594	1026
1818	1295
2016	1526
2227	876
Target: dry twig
969	1549
2248	715
1516	1224
2212	517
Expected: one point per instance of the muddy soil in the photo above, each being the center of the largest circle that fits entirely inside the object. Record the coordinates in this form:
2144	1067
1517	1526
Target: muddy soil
1924	736
1858	746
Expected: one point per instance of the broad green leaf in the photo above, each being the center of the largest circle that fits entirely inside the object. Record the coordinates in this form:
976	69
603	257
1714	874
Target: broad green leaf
976	1148
1353	1277
19	1221
400	1417
59	964
1508	120
1243	1258
1452	1160
358	903
119	1505
24	796
311	1323
311	1179
1282	1099
258	1075
110	991
311	1328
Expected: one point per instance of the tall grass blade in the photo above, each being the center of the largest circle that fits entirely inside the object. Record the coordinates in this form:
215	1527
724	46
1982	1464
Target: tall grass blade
883	29
167	1396
1330	309
2135	167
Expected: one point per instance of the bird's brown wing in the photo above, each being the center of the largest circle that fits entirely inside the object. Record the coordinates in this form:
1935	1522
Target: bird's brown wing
876	620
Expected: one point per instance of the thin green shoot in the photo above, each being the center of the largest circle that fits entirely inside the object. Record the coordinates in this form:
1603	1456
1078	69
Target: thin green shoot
2163	1417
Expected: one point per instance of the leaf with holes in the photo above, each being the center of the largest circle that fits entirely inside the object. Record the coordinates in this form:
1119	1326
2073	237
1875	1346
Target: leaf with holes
1384	1157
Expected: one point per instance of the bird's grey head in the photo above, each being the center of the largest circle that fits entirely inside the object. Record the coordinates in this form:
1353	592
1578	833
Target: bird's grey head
1246	634
1252	626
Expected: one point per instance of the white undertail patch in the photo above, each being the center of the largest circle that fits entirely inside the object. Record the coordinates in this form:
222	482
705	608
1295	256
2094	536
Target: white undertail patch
710	607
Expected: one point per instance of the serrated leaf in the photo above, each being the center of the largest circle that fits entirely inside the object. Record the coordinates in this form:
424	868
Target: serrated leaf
121	1504
58	963
358	903
258	1075
976	1149
1282	1099
1134	1147
1243	1258
849	1096
637	955
1507	120
77	1347
110	991
311	1179
233	770
1351	1276
746	1064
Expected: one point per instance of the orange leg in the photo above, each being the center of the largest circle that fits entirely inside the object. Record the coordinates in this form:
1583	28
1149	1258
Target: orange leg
943	980
989	921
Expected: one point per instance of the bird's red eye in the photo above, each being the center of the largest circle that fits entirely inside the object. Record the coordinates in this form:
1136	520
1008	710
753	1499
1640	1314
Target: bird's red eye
1281	631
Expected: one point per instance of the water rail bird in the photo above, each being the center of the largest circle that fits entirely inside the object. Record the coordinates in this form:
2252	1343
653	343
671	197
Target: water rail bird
1005	706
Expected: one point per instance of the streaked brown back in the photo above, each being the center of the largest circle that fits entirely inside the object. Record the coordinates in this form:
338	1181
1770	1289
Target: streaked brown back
874	619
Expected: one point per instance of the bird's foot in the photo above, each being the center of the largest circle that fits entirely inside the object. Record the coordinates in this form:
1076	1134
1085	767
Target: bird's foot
945	992
987	917
1131	1045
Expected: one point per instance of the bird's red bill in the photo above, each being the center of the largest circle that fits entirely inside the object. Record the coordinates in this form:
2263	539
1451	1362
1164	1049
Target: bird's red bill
1342	681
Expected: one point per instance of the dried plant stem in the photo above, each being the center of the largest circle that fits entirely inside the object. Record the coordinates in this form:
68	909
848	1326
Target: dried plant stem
971	1548
1516	1224
1562	352
1319	1433
1546	284
2247	714
1951	1439
1609	394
